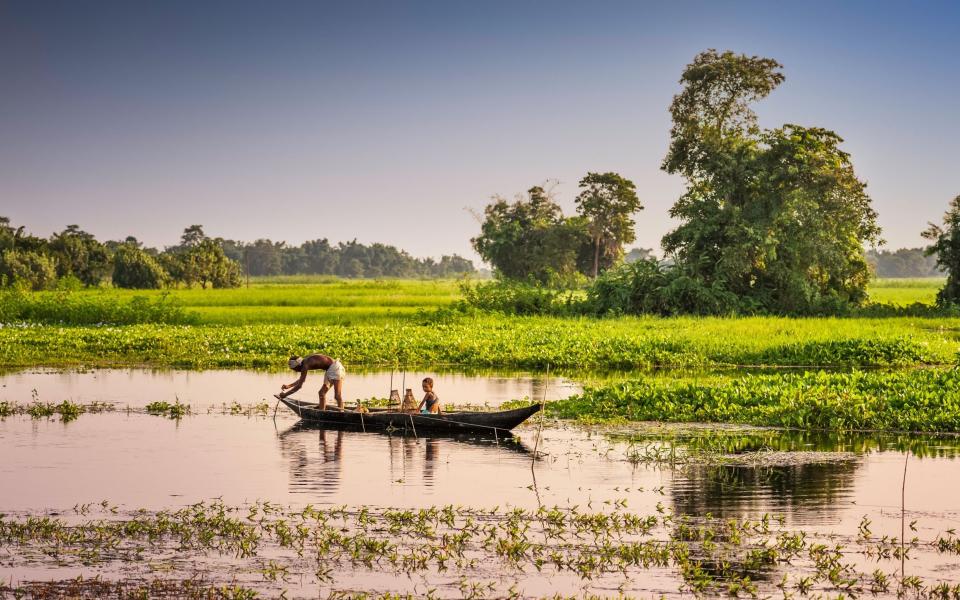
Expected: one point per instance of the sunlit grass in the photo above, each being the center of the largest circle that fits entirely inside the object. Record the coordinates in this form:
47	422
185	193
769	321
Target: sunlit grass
903	292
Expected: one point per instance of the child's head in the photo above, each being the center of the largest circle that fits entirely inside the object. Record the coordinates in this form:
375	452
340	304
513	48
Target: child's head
427	384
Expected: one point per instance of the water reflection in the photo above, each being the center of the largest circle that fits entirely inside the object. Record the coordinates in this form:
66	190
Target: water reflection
732	491
320	457
817	481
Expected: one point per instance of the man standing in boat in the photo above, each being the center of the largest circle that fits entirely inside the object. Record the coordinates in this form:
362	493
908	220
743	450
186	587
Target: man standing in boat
332	377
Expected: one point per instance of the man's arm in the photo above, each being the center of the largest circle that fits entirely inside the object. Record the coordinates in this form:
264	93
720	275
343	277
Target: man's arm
296	385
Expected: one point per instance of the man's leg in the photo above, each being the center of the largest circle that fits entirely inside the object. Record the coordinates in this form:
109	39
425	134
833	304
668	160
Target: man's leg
338	392
323	395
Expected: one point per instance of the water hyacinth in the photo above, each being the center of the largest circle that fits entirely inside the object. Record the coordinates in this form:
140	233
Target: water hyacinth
907	400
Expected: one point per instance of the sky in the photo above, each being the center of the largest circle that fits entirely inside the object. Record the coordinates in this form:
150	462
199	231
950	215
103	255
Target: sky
397	122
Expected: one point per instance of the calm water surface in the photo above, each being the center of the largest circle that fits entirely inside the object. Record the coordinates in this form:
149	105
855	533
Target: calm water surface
136	460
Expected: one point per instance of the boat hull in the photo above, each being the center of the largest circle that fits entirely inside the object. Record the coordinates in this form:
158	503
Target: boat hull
454	422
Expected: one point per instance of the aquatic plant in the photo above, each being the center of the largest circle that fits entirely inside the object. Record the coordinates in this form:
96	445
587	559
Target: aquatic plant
467	545
914	400
165	409
66	410
507	342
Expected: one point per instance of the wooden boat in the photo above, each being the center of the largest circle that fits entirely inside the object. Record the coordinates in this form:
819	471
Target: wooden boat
463	421
507	441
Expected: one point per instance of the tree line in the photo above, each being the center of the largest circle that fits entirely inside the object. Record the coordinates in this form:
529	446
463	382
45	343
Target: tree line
772	221
903	262
74	257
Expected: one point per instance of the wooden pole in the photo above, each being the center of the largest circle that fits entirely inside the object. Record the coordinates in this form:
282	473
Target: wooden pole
543	402
903	512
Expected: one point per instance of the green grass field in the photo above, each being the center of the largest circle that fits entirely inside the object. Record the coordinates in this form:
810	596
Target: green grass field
320	300
379	324
903	292
302	300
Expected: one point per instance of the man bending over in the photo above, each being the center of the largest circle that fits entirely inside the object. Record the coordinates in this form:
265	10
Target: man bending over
332	377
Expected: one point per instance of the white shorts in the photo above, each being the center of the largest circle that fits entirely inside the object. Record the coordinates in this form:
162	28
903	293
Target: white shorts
335	372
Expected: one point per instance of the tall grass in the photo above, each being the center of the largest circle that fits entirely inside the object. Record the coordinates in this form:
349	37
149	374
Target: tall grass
75	308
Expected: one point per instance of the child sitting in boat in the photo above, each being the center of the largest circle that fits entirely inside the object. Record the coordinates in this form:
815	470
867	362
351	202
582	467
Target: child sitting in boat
430	403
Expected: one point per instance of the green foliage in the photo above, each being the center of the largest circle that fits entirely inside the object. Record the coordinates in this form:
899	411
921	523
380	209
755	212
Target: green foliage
946	246
608	202
776	217
503	342
913	400
30	269
517	298
205	263
78	253
135	269
531	240
903	262
165	409
73	308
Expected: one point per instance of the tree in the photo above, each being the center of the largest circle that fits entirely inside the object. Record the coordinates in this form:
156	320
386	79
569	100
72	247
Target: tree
205	263
264	257
903	262
636	254
531	239
452	266
79	254
946	247
321	258
134	268
193	236
776	217
608	202
28	268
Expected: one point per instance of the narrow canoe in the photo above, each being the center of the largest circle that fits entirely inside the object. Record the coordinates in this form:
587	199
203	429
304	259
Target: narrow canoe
479	422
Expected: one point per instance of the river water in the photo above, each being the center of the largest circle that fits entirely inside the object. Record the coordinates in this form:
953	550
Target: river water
134	460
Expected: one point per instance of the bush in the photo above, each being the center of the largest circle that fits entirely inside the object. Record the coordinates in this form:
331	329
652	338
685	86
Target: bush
134	268
646	287
516	298
33	270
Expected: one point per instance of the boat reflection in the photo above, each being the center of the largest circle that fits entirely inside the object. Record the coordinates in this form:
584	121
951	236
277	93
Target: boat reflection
329	461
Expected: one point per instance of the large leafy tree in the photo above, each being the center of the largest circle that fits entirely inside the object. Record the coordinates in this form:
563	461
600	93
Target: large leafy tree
946	247
28	268
206	263
777	218
608	202
78	253
530	238
134	268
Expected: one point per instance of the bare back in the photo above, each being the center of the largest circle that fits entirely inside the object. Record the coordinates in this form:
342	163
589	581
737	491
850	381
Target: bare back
316	362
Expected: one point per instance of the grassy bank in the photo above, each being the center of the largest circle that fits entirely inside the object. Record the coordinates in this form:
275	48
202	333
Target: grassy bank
295	301
502	342
907	400
317	301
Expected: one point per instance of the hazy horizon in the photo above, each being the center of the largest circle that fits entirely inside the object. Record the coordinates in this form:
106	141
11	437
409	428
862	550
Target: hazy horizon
386	122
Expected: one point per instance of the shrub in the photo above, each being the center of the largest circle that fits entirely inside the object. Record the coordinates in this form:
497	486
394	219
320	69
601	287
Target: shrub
134	268
34	270
516	298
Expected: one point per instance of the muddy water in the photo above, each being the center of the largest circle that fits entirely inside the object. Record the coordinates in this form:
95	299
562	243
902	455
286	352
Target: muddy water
139	461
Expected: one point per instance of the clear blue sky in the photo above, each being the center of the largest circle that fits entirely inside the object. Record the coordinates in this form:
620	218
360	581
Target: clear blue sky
386	122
